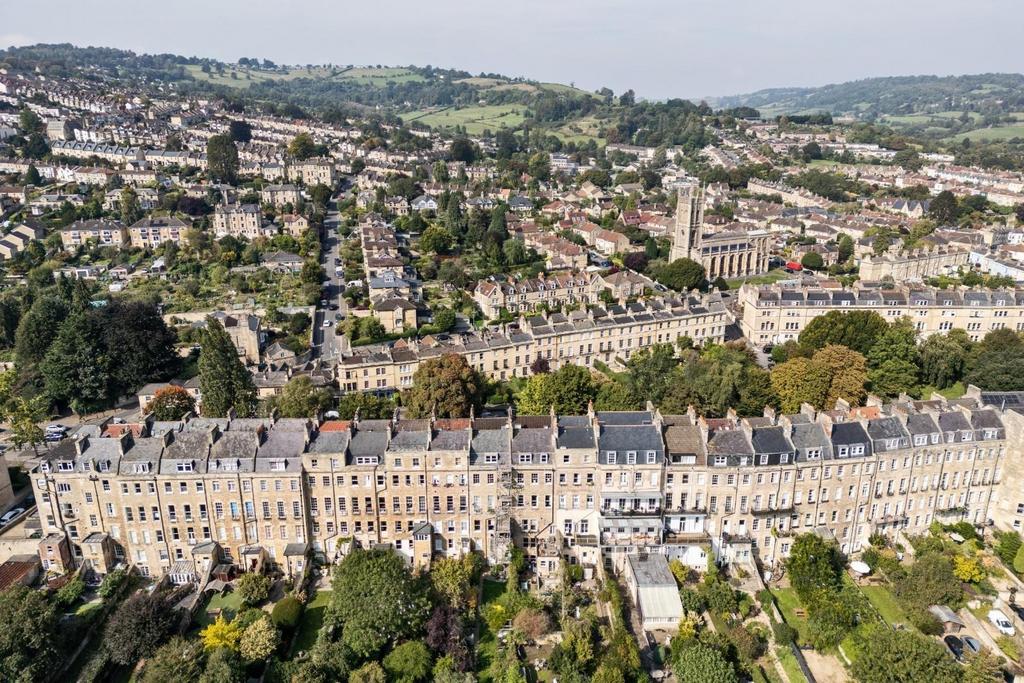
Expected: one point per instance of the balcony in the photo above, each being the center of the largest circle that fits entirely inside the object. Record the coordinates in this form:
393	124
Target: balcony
631	512
686	537
769	511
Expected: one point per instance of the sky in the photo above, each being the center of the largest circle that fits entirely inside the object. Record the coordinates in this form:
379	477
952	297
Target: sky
659	48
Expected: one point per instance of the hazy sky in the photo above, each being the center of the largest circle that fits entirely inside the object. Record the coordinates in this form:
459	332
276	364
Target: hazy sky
660	48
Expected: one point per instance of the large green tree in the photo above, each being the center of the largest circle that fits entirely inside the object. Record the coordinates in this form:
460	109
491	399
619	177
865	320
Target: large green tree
813	564
410	662
178	660
222	158
301	398
997	362
78	369
682	275
893	361
857	330
889	655
568	390
28	633
943	208
944	358
446	386
138	626
224	382
377	599
37	330
650	371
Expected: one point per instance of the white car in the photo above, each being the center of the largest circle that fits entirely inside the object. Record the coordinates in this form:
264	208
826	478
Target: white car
9	515
1001	623
327	323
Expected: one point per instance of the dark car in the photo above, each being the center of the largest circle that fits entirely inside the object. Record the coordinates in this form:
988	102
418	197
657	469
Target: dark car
972	645
955	645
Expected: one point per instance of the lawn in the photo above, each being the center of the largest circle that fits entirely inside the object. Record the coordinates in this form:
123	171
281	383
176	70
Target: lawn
955	391
788	604
476	119
312	620
886	604
228	603
771	277
254	75
488	645
790	665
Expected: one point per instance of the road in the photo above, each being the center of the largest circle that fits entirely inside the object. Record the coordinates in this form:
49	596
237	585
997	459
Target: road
326	344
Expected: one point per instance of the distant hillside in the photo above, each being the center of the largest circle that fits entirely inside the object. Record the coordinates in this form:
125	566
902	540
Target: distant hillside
981	106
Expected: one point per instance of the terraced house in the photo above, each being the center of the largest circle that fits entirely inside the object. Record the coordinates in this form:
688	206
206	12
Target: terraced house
609	335
591	488
774	314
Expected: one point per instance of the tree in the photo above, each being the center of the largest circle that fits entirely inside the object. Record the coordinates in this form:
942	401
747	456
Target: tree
446	386
568	390
370	407
463	150
301	398
377	600
32	176
253	588
77	370
908	159
983	667
222	158
409	662
893	360
813	564
178	660
682	275
1018	560
302	147
650	371
997	362
138	626
451	577
131	211
29	122
857	330
28	633
845	247
223	666
286	613
698	662
223	381
240	131
890	655
37	330
436	239
221	634
929	581
259	640
532	623
812	260
944	358
371	672
943	208
170	403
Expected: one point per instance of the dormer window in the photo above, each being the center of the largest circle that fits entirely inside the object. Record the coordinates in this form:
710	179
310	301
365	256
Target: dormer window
365	460
920	439
936	438
630	457
842	451
141	468
104	465
857	449
651	457
784	458
610	457
815	453
65	466
189	466
542	458
490	458
990	434
891	443
278	465
525	458
967	436
721	461
763	459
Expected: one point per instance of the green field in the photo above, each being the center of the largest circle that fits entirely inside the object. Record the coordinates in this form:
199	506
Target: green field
475	119
487	648
771	277
378	77
247	77
228	603
998	133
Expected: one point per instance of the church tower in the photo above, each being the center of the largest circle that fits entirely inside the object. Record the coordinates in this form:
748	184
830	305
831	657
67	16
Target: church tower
689	221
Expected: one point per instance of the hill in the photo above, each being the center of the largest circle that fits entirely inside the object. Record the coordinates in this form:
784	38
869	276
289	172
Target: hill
929	106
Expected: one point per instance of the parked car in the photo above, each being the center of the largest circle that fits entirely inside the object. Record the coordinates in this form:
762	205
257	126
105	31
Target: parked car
1001	622
955	645
972	644
327	323
10	515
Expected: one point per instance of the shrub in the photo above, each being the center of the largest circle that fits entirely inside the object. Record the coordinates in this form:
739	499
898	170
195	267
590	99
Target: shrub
765	598
784	633
111	583
926	622
871	557
253	588
286	613
69	593
878	540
